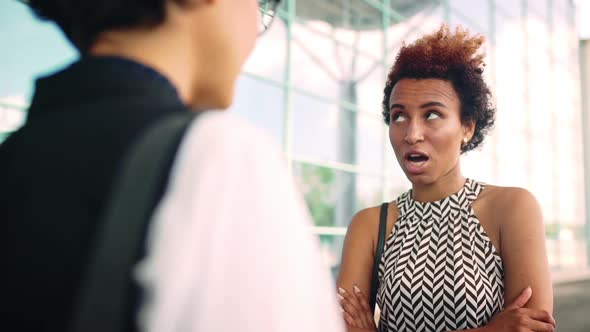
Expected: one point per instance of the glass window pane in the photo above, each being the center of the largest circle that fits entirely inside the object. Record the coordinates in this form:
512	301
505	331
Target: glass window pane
568	185
372	40
478	165
332	45
369	191
512	164
564	90
269	56
541	98
564	37
537	32
552	245
371	139
398	182
369	89
352	15
471	14
572	246
332	67
538	8
562	6
542	177
313	67
316	129
408	9
424	22
400	186
334	196
510	78
331	249
510	8
262	104
511	115
324	131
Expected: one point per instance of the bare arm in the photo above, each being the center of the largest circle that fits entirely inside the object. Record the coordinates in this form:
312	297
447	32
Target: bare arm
522	241
358	254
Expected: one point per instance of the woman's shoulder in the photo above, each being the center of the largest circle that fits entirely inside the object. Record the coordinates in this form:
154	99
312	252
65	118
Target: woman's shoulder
365	222
507	202
505	196
372	215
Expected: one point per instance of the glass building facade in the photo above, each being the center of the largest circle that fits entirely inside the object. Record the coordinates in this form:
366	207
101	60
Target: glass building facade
315	82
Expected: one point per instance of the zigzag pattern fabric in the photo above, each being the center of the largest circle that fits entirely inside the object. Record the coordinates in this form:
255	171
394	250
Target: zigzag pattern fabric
439	270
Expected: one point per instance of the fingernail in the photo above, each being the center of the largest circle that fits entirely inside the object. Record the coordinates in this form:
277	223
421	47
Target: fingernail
341	290
340	297
356	289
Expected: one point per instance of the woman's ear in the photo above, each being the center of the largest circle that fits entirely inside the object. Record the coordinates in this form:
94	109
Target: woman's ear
468	130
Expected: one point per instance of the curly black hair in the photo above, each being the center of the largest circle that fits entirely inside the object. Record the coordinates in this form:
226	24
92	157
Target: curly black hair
451	56
83	20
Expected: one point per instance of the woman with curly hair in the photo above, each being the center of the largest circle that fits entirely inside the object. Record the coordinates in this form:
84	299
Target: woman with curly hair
457	254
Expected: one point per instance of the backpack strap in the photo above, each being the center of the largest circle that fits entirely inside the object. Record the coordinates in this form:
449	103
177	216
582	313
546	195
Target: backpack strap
378	254
103	299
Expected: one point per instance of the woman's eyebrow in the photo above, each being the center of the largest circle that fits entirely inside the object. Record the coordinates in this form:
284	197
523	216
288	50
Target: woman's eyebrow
433	103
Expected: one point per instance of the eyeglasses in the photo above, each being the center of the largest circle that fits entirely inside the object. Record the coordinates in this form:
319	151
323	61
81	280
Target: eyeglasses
268	10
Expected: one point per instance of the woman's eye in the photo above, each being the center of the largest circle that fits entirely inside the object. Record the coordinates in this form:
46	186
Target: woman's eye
397	117
432	116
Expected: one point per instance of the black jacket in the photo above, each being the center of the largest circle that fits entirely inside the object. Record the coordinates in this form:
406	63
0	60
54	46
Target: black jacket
55	173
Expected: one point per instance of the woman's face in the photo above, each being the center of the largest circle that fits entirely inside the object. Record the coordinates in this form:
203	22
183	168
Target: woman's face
425	128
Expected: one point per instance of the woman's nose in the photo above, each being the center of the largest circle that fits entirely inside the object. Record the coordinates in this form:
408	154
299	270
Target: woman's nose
414	133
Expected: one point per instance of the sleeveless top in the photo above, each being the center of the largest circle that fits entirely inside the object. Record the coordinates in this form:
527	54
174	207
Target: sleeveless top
439	270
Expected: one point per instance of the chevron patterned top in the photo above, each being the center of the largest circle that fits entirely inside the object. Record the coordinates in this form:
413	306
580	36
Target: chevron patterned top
439	270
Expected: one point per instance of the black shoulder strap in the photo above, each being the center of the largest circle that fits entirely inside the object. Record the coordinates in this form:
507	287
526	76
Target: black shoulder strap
378	254
104	294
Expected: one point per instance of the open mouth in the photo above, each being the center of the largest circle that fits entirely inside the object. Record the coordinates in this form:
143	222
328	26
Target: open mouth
416	158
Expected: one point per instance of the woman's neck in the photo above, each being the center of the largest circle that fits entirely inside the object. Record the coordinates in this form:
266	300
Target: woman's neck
440	189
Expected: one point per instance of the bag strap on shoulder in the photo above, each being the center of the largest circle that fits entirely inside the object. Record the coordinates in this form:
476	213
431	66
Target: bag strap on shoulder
378	254
101	304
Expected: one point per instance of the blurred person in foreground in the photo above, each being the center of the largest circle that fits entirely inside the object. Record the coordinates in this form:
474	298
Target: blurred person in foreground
228	247
459	255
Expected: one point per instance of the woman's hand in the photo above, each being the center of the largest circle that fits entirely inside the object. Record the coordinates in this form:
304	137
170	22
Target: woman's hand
516	318
355	308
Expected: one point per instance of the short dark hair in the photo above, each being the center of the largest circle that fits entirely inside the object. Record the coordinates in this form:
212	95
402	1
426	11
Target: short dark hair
451	56
83	20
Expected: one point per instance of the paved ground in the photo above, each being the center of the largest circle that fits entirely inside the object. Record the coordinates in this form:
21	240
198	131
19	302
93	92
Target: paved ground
572	307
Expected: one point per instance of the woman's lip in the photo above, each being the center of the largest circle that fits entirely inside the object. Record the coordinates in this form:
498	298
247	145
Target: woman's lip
415	167
415	152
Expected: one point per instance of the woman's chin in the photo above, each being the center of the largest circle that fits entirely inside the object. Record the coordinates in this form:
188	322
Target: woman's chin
419	179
